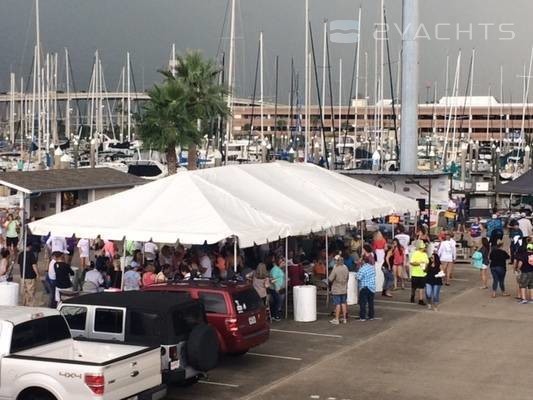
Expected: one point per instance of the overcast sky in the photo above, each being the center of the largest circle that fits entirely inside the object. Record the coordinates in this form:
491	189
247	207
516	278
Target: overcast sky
147	28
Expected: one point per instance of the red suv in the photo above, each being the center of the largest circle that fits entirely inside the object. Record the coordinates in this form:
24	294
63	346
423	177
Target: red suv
233	308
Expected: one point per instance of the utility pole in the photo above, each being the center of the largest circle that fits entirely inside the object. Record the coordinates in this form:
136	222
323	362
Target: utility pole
409	133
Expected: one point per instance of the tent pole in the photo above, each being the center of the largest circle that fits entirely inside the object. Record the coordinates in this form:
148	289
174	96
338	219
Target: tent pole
286	277
235	254
24	244
362	237
123	266
327	269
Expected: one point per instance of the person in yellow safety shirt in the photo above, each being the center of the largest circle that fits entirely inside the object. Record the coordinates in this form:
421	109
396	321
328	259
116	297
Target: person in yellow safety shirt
418	261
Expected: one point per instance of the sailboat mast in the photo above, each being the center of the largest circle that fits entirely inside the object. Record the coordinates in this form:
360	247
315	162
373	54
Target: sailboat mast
128	79
471	94
12	108
340	102
501	105
307	79
229	121
382	84
67	111
39	78
261	88
488	113
276	133
358	52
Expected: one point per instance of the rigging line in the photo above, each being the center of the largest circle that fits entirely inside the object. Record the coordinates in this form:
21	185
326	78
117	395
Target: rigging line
350	95
331	101
134	87
318	95
397	147
26	39
252	116
219	47
466	94
347	124
73	82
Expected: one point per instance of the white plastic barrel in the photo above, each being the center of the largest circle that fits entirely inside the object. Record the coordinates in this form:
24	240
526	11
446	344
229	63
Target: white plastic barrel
9	294
304	299
352	289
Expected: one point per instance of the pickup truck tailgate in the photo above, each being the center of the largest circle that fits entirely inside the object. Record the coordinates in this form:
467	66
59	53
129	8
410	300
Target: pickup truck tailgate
124	378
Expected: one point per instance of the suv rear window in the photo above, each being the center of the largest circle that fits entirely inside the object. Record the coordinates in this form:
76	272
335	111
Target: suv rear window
213	302
246	301
39	332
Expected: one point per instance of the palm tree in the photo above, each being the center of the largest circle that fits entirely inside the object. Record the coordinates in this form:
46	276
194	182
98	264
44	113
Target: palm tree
179	110
205	97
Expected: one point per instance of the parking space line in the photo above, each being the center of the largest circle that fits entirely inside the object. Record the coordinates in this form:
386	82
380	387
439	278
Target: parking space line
230	385
402	309
391	302
274	356
307	333
349	316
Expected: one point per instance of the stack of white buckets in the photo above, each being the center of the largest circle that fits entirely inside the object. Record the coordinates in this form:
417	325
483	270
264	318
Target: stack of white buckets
304	299
9	293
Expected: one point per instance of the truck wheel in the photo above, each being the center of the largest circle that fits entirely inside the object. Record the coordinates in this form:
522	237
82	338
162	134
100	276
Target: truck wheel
202	348
36	394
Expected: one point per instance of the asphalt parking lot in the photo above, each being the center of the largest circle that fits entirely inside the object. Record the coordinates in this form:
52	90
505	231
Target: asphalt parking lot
294	348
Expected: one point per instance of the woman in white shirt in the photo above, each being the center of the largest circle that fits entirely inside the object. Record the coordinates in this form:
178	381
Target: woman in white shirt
83	248
447	255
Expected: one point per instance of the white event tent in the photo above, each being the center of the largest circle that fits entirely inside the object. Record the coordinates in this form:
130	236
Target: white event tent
256	203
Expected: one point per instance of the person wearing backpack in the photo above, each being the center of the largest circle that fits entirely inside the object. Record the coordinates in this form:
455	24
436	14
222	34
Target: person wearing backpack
525	267
494	229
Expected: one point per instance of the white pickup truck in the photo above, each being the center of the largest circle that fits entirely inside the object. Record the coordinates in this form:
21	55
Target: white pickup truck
39	360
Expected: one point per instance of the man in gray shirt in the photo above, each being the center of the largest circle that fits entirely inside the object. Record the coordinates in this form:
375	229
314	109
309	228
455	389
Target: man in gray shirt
338	278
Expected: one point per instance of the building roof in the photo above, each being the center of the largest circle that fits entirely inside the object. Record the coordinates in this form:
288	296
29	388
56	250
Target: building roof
57	180
521	185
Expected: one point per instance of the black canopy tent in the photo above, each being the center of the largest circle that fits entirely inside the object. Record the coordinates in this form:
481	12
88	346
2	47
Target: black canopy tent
521	185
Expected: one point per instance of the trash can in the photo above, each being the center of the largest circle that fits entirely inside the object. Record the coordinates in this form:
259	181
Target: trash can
9	294
304	299
352	289
380	278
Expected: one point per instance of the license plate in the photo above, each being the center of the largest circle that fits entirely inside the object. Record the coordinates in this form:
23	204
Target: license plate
174	364
252	320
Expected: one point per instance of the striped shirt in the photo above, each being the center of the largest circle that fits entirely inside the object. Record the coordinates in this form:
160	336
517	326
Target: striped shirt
367	277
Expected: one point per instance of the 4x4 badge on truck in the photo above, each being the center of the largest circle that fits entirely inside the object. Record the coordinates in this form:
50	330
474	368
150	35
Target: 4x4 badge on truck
69	375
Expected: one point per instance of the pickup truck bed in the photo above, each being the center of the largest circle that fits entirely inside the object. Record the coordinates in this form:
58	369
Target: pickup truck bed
40	360
83	352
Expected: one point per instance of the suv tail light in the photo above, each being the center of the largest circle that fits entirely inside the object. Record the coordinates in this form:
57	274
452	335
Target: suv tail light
173	353
95	382
232	325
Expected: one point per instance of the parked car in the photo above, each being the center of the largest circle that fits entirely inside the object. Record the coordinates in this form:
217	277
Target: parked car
189	346
39	360
233	308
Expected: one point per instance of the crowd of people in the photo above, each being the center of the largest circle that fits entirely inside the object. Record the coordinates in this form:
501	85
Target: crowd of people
381	262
